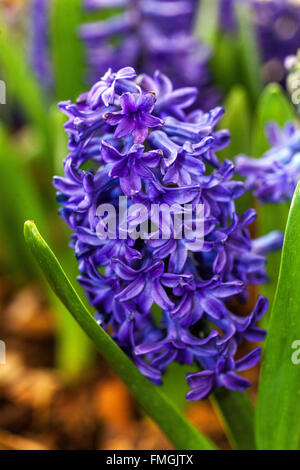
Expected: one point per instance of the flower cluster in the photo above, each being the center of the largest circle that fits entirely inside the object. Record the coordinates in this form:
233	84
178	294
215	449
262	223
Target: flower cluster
149	35
133	142
274	177
39	43
277	26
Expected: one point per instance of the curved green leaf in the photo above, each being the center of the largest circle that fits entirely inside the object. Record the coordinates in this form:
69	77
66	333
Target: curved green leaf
66	47
278	407
236	412
180	432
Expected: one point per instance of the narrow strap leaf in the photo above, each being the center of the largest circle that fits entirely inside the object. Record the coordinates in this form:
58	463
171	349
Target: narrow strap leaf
180	432
22	84
278	407
67	49
19	199
249	51
236	411
206	24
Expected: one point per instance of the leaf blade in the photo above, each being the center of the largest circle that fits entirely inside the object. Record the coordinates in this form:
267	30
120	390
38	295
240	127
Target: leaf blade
20	198
236	411
22	84
278	409
250	60
67	49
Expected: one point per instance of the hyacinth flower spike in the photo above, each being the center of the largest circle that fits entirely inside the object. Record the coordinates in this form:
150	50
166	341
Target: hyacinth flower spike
137	144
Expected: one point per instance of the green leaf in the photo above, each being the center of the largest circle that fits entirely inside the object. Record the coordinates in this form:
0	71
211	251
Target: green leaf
180	432
67	49
273	105
250	62
20	199
207	21
22	84
59	137
272	217
74	352
236	411
278	406
225	61
237	119
175	386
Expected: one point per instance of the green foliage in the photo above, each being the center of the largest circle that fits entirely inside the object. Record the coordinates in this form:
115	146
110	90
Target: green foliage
67	49
22	85
237	119
250	62
236	57
225	62
272	217
60	139
278	406
206	24
26	193
19	198
236	412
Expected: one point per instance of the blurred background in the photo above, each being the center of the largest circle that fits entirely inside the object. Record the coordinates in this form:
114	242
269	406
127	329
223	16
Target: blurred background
55	391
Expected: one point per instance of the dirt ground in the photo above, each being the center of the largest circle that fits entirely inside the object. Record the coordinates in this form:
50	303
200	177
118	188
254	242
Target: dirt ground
39	410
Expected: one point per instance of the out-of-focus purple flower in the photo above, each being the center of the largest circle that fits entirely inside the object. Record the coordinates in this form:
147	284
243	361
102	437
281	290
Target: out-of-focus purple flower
149	35
39	53
188	281
274	177
277	27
